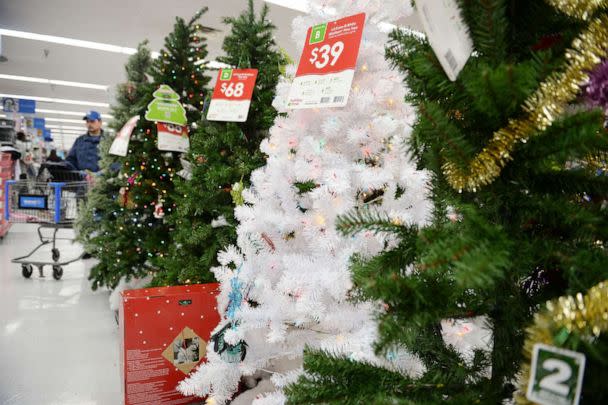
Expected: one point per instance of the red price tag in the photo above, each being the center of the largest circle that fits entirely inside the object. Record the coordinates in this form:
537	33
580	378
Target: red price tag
235	84
327	65
172	137
332	47
232	95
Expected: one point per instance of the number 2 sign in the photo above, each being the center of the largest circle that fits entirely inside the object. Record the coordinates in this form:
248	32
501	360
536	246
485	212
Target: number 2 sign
232	95
556	376
327	65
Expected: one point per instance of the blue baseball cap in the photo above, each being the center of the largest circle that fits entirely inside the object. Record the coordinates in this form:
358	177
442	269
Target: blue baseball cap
92	116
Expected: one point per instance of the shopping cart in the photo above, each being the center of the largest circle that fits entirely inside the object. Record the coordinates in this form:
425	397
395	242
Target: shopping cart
52	203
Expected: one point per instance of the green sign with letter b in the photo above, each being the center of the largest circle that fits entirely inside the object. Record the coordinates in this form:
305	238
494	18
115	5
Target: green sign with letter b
226	74
317	34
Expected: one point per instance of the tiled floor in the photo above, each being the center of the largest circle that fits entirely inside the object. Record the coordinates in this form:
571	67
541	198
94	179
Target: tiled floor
58	339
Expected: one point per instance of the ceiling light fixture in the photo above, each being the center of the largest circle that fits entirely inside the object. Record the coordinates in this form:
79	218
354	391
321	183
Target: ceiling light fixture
63	112
3	58
68	120
387	27
72	42
298	5
66	134
54	82
212	64
54	126
58	100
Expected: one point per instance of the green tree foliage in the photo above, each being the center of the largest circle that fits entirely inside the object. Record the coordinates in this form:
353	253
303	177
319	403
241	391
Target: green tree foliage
96	216
223	153
139	238
535	233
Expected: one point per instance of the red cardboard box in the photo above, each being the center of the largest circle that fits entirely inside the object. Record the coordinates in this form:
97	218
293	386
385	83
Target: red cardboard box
164	333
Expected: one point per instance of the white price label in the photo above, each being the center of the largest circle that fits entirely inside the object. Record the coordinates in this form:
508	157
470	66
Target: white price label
172	137
120	145
447	33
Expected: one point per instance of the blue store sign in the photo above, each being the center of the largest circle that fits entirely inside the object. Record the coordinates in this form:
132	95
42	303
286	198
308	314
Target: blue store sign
46	134
27	106
39	123
20	105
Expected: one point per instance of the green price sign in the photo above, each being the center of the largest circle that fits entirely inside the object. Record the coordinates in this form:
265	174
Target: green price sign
556	376
226	74
166	107
317	33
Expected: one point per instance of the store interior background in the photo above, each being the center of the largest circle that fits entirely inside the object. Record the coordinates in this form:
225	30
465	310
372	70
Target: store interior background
82	371
120	23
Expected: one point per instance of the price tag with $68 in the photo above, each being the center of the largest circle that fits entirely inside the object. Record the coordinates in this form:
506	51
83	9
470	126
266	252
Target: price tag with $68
232	90
327	65
232	95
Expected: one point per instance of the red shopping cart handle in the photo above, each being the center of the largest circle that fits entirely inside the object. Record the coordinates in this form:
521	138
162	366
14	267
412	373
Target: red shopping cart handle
19	217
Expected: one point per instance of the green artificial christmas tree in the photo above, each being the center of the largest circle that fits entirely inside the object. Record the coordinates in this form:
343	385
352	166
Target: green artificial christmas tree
141	233
223	154
96	217
519	217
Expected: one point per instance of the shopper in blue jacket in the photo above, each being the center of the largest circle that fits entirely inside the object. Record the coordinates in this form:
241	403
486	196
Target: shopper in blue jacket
84	154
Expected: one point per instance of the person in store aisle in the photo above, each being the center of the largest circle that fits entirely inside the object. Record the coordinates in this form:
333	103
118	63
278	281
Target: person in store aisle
26	163
84	154
53	157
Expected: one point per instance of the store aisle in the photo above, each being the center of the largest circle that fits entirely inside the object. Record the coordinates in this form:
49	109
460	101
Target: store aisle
58	339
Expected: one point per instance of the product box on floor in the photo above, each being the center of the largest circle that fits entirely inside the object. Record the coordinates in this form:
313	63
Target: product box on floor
163	335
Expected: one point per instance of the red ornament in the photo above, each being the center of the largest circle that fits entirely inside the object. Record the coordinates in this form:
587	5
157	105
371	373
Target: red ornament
130	91
268	241
547	42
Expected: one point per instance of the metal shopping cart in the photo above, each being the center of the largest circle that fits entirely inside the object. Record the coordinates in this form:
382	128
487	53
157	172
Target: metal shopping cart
52	201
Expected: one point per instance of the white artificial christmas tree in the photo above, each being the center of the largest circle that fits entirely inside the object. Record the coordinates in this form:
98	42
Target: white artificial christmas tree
287	285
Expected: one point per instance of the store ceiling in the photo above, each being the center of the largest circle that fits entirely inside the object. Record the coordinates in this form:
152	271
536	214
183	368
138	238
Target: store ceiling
117	22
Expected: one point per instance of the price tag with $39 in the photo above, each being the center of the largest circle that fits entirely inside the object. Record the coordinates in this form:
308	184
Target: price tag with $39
327	65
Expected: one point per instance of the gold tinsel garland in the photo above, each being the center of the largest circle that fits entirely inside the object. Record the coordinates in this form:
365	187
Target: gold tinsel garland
581	9
546	104
597	162
585	315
